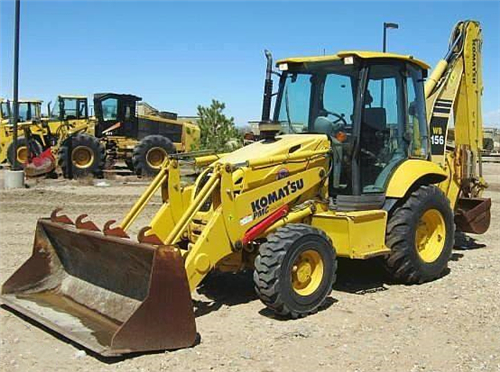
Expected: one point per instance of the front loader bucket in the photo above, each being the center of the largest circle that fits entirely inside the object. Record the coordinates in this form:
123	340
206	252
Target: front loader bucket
109	294
473	215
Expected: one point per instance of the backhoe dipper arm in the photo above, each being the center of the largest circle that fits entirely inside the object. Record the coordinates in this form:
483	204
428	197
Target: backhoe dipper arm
454	90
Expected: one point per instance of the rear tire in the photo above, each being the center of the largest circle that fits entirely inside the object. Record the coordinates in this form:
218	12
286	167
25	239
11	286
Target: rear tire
150	153
420	234
88	156
295	270
22	151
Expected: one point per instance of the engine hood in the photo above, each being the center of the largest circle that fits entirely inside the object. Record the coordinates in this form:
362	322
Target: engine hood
289	143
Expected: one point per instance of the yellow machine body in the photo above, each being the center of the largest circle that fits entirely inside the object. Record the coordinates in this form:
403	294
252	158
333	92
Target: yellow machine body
114	288
33	109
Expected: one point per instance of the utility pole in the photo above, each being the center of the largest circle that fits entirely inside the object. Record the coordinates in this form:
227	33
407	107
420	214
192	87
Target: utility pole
387	25
15	95
15	177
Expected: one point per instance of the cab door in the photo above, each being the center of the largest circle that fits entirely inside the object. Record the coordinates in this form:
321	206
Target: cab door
392	125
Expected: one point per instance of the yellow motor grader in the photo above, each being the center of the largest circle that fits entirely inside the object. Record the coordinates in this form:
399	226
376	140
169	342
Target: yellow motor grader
364	173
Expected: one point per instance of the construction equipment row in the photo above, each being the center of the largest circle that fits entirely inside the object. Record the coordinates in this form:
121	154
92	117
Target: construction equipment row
85	145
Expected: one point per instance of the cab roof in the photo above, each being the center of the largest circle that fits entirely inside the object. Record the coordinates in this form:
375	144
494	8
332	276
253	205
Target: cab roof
70	96
359	54
23	100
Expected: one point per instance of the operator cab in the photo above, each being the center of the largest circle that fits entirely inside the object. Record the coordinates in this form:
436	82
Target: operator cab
29	110
116	114
70	108
370	105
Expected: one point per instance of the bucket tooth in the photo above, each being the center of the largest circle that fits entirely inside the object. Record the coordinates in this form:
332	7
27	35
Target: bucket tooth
148	239
85	225
61	219
114	231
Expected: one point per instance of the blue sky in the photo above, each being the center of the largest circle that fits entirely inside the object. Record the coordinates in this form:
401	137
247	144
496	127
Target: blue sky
177	55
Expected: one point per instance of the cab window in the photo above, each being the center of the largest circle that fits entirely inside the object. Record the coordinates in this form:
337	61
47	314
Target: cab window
417	125
70	109
294	109
82	109
24	111
110	109
5	110
338	98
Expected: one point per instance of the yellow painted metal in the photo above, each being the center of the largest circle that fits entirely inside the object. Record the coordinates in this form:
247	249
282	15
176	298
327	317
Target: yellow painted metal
212	246
155	157
22	154
242	211
410	171
82	157
199	199
201	161
294	216
430	235
307	272
358	235
360	54
460	82
6	129
436	75
283	159
141	203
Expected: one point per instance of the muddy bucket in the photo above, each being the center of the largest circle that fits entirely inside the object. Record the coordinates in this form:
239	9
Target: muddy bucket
473	215
109	294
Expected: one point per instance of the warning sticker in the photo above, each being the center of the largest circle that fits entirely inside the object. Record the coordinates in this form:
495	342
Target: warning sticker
246	219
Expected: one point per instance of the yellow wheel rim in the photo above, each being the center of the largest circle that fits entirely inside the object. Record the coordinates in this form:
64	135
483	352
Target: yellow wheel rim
22	154
307	272
430	235
155	157
82	157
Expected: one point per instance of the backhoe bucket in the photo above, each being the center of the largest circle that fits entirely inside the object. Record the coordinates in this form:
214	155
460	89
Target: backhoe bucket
473	215
109	294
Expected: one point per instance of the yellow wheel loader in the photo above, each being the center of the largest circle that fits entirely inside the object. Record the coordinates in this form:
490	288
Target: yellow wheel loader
29	115
364	173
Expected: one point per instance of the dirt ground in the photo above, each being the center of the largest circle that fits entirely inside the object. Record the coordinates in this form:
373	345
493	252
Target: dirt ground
452	324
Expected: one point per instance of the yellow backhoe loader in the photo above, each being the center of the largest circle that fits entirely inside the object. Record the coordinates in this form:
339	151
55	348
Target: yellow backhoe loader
364	173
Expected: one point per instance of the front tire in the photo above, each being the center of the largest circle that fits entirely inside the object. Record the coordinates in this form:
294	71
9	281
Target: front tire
420	234
150	154
295	270
22	151
87	156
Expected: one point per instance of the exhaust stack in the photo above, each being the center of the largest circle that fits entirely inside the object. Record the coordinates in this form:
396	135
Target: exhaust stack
268	129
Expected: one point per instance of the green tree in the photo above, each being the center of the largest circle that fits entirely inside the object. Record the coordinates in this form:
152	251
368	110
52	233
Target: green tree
217	130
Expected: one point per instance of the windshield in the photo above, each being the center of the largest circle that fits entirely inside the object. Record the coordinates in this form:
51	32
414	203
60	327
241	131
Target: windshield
318	100
74	108
24	111
110	109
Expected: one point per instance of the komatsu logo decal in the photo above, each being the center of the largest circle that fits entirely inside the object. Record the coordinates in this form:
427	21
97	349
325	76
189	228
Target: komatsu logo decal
260	206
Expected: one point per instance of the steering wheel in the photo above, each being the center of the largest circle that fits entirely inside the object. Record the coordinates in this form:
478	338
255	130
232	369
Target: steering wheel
340	118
